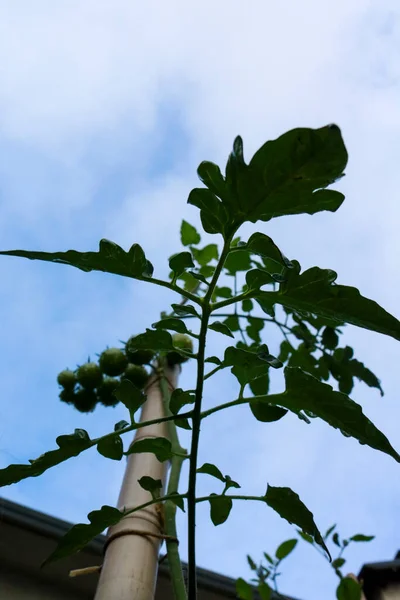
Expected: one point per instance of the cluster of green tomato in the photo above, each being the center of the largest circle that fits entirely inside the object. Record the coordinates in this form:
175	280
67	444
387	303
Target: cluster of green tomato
93	383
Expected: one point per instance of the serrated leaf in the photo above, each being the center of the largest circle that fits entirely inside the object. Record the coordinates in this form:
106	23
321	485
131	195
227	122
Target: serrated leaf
178	263
159	446
348	589
111	448
180	398
171	323
221	328
220	507
184	310
154	486
80	535
359	537
110	258
285	549
315	291
359	370
256	278
289	506
69	445
189	234
212	470
244	589
130	395
330	338
305	392
264	246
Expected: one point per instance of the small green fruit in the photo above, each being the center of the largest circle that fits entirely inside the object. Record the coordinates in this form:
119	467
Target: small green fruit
67	379
105	391
89	375
85	400
113	362
67	395
180	340
137	375
137	357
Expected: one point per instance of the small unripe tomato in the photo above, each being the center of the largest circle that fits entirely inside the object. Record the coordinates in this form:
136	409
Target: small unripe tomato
89	375
113	362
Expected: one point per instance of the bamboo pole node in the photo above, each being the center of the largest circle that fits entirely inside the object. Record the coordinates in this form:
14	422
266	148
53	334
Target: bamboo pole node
118	534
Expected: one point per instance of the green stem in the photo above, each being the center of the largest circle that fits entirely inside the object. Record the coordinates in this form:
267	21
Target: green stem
196	421
174	560
173	287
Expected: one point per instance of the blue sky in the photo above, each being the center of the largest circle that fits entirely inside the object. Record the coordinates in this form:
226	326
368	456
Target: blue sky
106	110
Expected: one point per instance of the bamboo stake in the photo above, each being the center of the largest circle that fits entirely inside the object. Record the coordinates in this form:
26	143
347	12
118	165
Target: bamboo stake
130	566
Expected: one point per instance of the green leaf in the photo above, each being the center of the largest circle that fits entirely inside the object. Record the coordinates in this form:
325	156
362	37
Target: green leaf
212	212
256	278
184	310
223	292
306	537
338	562
221	328
330	530
237	260
80	535
154	486
251	562
315	291
348	589
220	507
359	537
266	413
254	328
264	590
199	277
285	350
205	255
305	392
244	589
180	262
110	258
264	354
183	423
213	360
212	470
232	322
121	425
189	234
180	398
330	338
289	506
247	305
111	448
285	549
157	340
229	483
359	370
335	539
159	446
265	247
268	558
246	365
260	386
172	323
130	395
69	445
177	500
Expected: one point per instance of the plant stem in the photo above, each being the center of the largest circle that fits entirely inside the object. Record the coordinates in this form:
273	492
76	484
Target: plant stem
173	287
174	560
196	421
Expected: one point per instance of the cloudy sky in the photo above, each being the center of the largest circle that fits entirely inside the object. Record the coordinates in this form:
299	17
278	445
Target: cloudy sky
106	110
